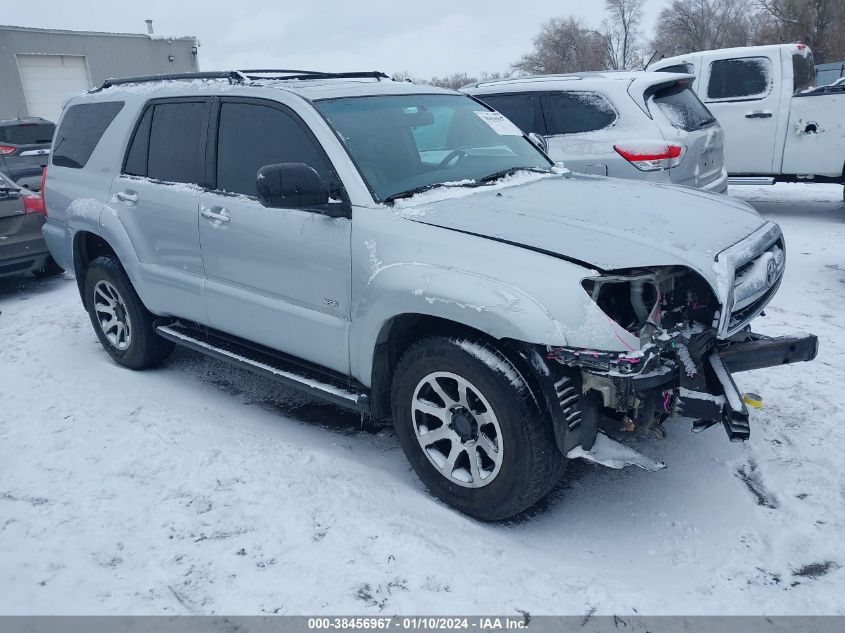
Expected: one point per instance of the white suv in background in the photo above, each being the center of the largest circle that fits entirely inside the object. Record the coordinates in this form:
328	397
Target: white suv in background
639	125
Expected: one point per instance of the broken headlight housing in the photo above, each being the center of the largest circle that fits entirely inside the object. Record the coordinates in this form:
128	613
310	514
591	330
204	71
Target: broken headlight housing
653	302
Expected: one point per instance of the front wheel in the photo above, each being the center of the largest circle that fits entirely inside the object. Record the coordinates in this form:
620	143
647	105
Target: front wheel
471	428
122	323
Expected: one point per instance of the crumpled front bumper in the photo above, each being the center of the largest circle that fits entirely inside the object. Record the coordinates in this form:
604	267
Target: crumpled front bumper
711	396
689	379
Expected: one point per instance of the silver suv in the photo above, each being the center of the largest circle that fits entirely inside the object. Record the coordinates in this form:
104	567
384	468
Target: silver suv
407	252
639	125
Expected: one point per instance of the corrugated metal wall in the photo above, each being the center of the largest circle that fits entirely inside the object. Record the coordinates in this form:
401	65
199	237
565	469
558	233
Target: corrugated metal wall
107	55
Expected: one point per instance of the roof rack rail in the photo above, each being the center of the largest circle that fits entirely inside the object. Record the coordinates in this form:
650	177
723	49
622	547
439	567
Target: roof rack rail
241	76
232	75
275	73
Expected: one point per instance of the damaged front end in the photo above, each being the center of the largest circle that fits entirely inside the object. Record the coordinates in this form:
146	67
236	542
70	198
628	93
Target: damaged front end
684	345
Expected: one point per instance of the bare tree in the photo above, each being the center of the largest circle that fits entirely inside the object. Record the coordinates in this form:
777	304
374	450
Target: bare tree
564	45
453	81
697	25
817	23
622	35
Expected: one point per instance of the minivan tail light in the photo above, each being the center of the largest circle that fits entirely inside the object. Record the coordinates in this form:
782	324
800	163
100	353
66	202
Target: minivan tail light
7	149
651	156
33	203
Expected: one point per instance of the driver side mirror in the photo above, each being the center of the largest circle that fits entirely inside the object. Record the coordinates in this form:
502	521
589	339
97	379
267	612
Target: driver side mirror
296	186
539	142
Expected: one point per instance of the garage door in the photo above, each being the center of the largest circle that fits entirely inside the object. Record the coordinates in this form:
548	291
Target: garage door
50	79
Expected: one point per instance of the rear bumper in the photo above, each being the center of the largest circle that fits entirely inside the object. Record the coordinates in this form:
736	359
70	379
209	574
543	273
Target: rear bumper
22	264
23	248
691	380
59	239
720	185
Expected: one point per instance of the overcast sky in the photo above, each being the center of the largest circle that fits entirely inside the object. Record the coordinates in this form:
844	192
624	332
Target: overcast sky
423	37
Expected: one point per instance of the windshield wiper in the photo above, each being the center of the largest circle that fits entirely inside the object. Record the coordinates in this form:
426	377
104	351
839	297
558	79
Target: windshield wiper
412	192
510	171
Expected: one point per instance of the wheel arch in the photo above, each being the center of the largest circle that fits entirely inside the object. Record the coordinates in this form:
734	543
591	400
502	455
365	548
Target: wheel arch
398	333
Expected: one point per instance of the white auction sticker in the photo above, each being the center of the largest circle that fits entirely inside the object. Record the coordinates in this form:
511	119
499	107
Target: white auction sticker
499	123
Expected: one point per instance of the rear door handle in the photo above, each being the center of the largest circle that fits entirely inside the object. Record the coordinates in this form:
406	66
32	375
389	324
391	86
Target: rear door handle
220	216
758	114
128	196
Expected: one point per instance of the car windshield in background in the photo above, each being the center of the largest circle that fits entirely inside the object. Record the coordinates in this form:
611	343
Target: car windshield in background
27	133
403	144
683	108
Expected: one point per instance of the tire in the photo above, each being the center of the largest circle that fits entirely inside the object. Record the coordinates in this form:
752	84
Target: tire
109	293
50	269
514	469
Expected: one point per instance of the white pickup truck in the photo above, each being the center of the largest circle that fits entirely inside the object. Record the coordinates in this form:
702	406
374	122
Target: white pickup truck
778	127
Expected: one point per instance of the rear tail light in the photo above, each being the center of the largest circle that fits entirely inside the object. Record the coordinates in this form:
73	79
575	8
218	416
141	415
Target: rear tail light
651	156
7	149
44	189
34	203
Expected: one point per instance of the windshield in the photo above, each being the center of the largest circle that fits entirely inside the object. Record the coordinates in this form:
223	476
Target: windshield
407	143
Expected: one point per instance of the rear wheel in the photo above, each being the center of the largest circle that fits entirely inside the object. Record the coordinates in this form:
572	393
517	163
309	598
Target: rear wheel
122	323
471	428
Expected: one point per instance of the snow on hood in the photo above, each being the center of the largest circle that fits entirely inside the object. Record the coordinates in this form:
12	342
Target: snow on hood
605	223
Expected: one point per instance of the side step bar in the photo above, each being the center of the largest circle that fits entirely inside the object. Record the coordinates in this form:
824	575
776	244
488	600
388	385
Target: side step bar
750	180
266	363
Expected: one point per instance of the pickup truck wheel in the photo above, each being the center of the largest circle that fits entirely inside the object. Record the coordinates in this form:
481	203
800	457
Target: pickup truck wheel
471	428
122	323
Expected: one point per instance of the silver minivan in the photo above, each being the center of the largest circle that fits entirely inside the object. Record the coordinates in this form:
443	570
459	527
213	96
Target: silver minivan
639	125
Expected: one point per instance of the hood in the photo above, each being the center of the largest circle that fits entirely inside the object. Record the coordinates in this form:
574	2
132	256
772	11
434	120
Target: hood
601	223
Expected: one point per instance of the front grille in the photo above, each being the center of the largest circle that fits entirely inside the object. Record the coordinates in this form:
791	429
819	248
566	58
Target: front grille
755	283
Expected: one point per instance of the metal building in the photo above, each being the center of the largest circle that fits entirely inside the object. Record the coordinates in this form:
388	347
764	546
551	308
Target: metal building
40	68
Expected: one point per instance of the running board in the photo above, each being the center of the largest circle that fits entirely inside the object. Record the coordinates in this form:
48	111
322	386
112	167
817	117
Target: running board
751	180
269	364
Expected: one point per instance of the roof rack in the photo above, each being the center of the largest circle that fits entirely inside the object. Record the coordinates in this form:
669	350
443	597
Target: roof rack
232	75
241	76
275	73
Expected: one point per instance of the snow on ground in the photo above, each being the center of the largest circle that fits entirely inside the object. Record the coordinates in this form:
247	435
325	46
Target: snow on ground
198	488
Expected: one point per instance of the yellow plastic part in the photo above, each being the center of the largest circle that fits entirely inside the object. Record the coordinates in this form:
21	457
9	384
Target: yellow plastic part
753	400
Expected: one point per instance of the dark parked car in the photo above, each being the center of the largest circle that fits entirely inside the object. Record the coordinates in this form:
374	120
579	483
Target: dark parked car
25	150
22	247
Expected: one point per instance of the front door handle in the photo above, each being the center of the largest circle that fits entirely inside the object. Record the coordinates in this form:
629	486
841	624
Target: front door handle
758	114
128	196
215	216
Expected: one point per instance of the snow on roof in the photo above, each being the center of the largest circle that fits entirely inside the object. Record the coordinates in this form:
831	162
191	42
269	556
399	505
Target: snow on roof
738	51
32	29
574	81
311	89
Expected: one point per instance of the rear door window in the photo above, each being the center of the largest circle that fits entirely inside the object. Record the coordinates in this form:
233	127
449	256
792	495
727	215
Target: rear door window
574	112
27	133
174	141
803	71
81	129
251	136
682	107
522	109
745	79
